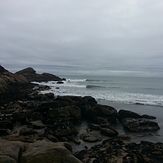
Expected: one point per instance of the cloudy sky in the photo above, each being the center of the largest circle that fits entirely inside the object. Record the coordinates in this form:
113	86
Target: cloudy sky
97	37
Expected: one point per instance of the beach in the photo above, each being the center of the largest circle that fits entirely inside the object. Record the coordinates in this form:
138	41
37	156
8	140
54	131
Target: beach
42	113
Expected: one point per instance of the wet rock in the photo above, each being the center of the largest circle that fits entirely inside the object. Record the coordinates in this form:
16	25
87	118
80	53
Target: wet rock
74	139
95	126
90	137
122	114
67	131
72	113
148	116
124	137
88	100
92	112
108	132
139	124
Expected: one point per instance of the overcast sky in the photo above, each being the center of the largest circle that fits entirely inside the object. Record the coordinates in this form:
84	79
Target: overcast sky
97	37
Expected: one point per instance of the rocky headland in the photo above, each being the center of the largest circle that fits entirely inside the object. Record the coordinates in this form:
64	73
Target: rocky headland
40	128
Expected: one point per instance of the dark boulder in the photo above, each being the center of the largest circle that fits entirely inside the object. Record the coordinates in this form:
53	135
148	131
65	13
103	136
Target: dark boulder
71	113
93	112
122	114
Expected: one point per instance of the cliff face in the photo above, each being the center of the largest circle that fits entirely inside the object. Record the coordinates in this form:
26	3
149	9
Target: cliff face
31	75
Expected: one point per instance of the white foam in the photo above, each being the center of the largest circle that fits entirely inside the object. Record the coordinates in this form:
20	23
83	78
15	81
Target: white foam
76	87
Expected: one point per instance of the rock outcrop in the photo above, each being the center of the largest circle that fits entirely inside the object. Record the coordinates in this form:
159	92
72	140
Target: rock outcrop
31	75
135	122
11	85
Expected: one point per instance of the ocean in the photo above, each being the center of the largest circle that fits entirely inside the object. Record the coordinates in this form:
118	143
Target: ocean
143	95
126	90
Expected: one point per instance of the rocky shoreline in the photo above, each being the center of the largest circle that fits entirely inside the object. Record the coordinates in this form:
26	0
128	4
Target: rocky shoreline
38	127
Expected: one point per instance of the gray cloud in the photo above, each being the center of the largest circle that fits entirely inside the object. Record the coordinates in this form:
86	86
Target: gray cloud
104	37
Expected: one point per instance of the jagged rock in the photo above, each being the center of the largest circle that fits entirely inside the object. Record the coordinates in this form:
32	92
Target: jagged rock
139	124
110	150
43	151
67	131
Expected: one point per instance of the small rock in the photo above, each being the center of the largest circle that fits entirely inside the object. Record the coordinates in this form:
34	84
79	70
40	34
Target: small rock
90	137
108	132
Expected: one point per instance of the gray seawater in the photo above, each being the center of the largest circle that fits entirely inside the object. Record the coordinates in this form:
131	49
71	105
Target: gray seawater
127	90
